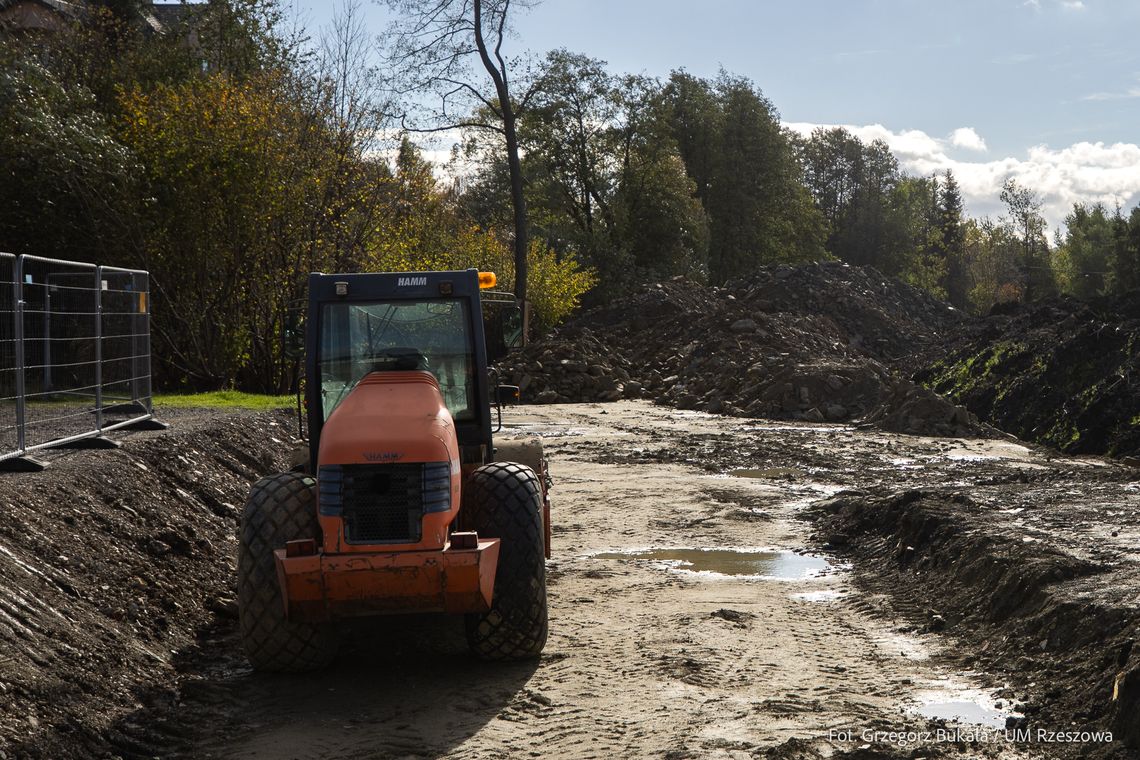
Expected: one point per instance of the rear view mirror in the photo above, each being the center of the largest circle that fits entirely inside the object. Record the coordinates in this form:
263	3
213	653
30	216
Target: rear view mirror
506	394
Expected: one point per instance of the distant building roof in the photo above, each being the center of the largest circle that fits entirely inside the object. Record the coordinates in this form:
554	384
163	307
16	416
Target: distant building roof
38	14
170	15
71	9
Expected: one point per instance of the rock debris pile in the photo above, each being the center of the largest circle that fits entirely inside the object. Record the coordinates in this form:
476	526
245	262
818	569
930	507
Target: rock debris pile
816	343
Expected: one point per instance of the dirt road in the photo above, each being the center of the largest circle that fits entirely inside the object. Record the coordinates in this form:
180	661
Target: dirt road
721	587
768	650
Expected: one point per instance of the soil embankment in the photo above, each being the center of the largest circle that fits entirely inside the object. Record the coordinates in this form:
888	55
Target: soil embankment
1060	372
113	563
1059	607
831	342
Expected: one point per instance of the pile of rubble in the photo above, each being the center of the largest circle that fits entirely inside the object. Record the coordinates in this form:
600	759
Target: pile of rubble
813	343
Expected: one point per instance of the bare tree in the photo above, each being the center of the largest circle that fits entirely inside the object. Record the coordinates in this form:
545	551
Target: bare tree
435	49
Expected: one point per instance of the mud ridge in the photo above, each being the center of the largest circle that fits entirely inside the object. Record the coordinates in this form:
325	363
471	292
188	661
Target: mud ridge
1030	611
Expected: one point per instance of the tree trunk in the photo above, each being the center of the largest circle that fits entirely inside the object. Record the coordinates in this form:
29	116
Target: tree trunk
506	108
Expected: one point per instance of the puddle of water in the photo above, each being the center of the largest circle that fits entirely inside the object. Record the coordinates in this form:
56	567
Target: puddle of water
746	563
970	706
962	711
771	472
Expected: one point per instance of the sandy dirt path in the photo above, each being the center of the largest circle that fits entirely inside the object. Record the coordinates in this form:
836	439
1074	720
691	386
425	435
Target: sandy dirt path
646	658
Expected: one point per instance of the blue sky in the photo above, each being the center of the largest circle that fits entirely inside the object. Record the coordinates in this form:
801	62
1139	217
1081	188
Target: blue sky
1046	91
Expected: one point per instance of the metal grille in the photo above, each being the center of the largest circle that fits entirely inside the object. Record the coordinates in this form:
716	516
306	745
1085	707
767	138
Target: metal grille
382	503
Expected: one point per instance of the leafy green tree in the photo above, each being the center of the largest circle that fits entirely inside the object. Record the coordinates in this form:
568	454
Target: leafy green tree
951	220
993	254
857	188
1124	266
1085	251
571	138
867	235
605	182
67	184
1024	209
914	235
660	222
745	173
833	166
694	116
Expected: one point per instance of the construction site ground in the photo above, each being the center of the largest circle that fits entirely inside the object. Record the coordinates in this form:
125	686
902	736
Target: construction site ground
866	588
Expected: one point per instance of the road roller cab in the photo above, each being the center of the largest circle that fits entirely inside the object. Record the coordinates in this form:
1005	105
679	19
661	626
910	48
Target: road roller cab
404	504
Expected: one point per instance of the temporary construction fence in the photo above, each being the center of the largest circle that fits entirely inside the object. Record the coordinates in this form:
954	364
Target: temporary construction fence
74	356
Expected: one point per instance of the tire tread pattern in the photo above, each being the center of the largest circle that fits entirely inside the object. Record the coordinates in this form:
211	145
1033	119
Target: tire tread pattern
280	508
504	500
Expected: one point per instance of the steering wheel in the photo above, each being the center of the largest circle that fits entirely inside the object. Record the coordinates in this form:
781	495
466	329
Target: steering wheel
399	359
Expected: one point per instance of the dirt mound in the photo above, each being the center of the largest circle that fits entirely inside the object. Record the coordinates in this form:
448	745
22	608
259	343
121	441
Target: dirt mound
1027	605
810	343
1060	372
110	563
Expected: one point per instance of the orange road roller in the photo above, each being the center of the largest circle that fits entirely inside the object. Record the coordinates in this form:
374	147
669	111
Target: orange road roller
402	501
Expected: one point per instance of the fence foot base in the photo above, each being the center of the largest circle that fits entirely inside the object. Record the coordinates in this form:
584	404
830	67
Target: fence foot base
144	425
22	464
94	442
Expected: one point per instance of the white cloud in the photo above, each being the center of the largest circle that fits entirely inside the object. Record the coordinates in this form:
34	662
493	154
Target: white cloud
967	138
1068	5
1128	94
1084	172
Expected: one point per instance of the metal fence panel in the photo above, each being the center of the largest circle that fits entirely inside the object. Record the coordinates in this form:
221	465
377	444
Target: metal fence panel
125	344
9	432
60	332
74	353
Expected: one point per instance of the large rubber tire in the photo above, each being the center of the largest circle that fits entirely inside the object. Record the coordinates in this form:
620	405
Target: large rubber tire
504	500
280	508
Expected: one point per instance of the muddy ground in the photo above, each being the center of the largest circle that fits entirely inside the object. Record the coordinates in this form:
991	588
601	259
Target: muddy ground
906	580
